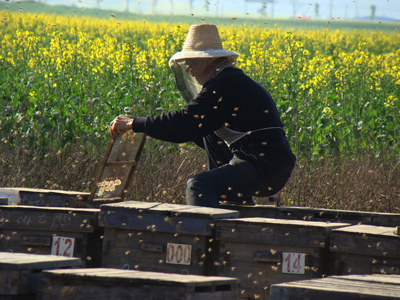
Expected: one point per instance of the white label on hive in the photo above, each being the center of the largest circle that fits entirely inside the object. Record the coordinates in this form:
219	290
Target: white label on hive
179	254
63	246
293	263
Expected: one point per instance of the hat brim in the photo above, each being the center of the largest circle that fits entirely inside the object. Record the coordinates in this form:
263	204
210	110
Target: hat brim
202	54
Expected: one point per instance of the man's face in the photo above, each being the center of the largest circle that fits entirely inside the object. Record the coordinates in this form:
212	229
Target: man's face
194	67
197	68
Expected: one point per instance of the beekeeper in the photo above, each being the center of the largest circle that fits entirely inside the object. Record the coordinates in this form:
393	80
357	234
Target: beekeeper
229	115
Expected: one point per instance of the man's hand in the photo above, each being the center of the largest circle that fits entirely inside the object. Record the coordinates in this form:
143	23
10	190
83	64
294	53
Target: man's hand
120	123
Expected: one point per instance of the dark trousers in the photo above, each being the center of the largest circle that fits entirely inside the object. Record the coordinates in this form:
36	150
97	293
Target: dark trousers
229	178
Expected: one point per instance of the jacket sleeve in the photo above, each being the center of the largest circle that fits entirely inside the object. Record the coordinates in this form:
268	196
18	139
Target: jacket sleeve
201	116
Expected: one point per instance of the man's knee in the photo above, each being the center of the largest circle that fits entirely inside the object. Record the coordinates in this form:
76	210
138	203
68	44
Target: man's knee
200	191
197	182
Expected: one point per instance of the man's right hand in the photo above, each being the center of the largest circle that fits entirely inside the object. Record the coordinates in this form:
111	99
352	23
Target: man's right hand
120	123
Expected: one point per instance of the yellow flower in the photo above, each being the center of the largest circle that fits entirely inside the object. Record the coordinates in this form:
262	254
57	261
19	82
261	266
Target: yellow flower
327	112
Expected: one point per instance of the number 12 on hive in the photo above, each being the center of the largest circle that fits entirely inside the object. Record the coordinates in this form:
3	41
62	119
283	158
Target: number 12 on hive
293	263
63	246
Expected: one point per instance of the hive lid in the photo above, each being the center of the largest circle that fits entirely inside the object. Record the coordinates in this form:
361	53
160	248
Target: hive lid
138	277
43	197
276	231
162	217
316	214
366	240
374	286
166	209
48	218
23	261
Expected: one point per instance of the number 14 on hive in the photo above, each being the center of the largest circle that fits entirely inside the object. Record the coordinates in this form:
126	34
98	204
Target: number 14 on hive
293	263
63	246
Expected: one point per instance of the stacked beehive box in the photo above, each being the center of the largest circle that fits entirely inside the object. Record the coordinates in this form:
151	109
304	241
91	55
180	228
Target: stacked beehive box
350	287
263	251
366	249
105	284
316	214
20	273
161	237
72	232
42	197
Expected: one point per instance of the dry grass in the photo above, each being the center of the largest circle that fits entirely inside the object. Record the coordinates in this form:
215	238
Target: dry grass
163	172
72	169
366	183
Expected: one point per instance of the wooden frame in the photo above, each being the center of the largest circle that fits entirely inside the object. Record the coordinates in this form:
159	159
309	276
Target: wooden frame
117	168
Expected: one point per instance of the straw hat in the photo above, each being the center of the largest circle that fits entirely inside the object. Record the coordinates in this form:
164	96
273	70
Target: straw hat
202	41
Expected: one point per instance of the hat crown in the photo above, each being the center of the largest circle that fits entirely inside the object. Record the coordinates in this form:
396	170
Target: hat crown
202	37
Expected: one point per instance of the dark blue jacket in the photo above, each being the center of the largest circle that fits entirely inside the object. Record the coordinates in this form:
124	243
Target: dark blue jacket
234	100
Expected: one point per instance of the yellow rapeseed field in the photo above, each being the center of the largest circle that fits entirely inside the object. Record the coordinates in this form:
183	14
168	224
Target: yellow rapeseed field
66	76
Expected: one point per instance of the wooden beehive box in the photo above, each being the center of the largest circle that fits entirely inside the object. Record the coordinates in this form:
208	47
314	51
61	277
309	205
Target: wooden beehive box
263	251
116	284
20	273
350	287
315	214
43	230
161	237
366	249
302	213
42	197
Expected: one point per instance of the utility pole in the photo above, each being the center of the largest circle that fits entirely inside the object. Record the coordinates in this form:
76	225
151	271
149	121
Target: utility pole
205	5
330	9
316	10
295	7
153	5
356	9
373	10
127	6
190	6
272	9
